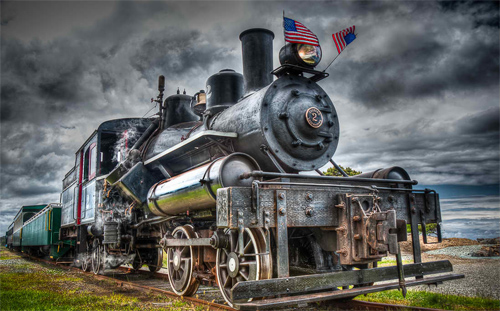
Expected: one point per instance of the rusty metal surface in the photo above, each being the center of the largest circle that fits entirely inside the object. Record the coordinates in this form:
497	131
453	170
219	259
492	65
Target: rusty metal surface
282	234
316	212
325	281
339	294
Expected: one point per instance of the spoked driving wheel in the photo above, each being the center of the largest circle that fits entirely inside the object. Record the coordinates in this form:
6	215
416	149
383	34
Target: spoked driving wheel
181	260
86	262
233	267
96	259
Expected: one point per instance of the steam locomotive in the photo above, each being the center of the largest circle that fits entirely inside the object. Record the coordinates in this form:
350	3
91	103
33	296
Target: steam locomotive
215	181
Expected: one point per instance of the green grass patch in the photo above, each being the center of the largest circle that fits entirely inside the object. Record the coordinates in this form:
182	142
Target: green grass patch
6	254
391	262
31	286
433	300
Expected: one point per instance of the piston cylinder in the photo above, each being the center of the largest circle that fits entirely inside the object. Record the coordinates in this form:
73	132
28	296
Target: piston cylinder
196	189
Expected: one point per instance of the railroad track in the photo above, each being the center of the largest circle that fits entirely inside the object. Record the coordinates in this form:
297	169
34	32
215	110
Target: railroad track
210	297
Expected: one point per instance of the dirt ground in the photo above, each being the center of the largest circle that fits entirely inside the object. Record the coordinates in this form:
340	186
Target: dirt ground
482	275
406	247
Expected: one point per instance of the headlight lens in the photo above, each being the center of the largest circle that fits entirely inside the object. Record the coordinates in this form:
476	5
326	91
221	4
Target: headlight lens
309	54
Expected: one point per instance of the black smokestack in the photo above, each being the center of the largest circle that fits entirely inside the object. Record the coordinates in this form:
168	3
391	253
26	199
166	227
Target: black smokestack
257	46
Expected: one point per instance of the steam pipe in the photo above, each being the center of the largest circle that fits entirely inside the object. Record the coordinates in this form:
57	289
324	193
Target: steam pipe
146	134
154	219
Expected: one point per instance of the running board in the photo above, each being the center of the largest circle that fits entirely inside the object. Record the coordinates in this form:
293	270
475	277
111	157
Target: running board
327	281
339	294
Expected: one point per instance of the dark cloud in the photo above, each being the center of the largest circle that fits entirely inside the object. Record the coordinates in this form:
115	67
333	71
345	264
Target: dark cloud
177	53
418	88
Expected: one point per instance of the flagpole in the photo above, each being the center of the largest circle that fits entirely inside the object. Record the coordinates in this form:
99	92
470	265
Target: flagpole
337	56
332	62
284	37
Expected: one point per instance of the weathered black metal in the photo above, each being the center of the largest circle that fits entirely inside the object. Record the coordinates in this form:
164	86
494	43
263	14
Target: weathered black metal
339	294
308	283
257	47
178	110
395	173
224	89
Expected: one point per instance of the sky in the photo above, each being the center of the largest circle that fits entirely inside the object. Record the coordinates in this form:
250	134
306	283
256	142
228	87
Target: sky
418	88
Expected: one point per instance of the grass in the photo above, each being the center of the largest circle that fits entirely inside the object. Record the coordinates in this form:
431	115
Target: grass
432	300
391	262
30	286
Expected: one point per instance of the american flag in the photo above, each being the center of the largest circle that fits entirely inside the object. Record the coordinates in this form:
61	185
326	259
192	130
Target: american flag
295	32
344	37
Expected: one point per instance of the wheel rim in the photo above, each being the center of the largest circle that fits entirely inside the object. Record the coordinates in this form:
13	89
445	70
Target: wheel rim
180	263
137	263
158	261
96	260
86	263
232	268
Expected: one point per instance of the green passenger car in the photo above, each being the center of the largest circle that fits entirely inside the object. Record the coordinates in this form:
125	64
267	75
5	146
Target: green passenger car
24	214
41	233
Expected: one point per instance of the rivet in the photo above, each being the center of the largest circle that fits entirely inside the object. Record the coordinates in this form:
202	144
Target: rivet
282	211
356	218
281	196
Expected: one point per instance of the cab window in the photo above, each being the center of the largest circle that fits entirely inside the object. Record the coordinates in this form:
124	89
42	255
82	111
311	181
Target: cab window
92	161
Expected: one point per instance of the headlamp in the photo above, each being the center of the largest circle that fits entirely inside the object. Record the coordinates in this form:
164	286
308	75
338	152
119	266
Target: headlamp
309	54
303	55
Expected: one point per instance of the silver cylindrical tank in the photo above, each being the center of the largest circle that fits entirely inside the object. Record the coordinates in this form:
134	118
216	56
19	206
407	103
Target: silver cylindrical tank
196	189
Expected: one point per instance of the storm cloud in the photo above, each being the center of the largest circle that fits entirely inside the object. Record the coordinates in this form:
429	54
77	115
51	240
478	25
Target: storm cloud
418	88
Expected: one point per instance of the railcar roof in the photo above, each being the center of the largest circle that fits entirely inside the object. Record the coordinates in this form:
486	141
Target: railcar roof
28	208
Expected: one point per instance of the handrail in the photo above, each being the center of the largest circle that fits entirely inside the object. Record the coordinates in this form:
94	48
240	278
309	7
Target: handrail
342	179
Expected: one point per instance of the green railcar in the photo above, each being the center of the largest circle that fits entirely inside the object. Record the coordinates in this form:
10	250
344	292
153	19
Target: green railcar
24	214
41	233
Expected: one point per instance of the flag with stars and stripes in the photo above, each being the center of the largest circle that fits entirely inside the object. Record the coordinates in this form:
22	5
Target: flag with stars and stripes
295	32
344	37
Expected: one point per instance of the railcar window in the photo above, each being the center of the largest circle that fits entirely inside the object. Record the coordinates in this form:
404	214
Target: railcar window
92	161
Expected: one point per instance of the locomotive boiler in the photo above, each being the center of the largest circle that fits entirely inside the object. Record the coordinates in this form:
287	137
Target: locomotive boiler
213	180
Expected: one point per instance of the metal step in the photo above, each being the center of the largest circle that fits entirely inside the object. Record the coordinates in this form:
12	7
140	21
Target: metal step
339	294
